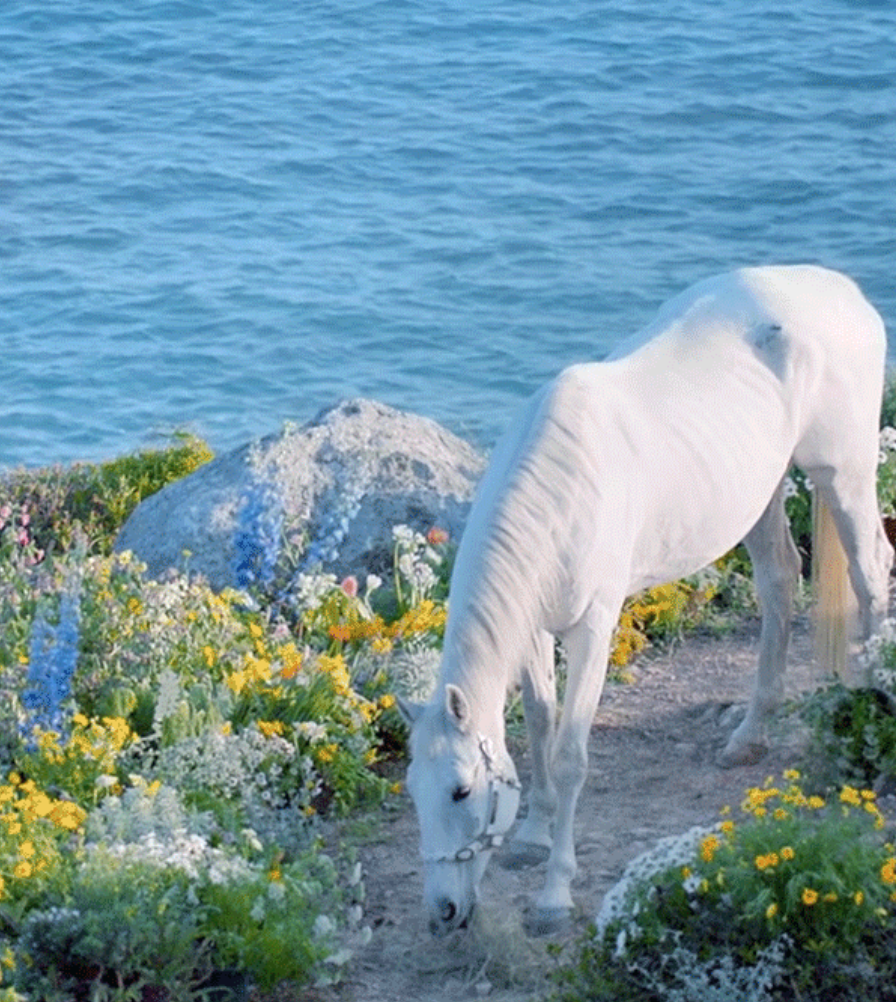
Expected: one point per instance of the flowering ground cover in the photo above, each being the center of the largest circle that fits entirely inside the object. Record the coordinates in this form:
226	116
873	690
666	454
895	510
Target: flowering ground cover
168	753
170	756
790	896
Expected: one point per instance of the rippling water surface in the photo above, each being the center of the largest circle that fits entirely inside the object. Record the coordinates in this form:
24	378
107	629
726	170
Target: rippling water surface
226	215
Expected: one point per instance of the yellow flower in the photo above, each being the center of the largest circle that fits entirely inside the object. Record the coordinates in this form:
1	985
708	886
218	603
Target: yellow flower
326	753
829	898
859	898
256	631
68	815
787	852
816	803
791	774
772	910
727	827
809	897
236	682
395	788
850	795
26	850
292	661
685	872
888	871
387	701
767	861
708	848
270	727
208	653
23	870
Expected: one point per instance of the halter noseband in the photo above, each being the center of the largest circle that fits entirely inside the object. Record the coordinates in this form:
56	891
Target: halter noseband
503	800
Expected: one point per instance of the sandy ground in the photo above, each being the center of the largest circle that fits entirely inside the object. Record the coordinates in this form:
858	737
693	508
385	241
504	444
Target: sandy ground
653	772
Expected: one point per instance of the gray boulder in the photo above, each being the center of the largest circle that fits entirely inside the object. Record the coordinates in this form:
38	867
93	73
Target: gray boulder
340	482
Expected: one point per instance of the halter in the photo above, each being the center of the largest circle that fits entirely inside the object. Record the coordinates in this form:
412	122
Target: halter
502	801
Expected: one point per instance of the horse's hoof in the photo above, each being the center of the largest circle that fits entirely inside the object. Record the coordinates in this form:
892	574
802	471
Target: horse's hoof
748	754
520	855
548	921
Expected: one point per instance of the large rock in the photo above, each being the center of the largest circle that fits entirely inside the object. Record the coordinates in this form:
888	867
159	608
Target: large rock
342	481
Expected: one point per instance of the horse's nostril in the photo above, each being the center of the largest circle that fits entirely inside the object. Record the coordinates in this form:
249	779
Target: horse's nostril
449	910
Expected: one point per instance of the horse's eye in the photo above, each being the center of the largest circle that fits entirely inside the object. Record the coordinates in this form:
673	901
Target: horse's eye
460	793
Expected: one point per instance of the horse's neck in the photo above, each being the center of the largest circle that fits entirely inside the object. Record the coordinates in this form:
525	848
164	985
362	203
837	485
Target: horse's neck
496	608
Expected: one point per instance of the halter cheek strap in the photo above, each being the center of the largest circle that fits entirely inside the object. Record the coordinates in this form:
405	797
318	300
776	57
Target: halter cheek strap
502	803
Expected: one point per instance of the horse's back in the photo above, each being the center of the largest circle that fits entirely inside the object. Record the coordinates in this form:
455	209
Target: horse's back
806	304
707	407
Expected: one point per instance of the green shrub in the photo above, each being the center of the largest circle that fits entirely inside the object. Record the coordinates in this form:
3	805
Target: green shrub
93	500
852	730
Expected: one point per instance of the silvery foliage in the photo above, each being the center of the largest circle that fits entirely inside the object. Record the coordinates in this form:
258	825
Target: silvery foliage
718	979
413	673
137	812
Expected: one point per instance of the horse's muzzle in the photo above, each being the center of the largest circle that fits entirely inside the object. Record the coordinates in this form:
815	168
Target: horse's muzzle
448	918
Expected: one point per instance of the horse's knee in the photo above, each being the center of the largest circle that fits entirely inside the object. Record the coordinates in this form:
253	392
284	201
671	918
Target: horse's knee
570	765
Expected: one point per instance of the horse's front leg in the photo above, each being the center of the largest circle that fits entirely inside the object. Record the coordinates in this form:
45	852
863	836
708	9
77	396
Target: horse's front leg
588	649
532	842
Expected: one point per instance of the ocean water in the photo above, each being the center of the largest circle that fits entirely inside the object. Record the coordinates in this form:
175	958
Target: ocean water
226	215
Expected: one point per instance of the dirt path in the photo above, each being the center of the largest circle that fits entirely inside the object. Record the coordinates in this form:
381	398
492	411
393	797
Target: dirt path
653	773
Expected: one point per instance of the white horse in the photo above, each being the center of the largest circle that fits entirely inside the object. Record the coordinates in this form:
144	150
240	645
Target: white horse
623	474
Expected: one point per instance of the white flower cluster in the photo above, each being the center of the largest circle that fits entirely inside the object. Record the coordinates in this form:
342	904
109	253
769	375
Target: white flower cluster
264	775
189	853
310	589
878	656
416	561
622	902
886	443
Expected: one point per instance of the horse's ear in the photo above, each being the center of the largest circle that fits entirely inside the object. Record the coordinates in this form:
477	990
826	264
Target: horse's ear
409	711
457	708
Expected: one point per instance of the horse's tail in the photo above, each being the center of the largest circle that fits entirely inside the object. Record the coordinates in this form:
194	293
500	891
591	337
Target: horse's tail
835	602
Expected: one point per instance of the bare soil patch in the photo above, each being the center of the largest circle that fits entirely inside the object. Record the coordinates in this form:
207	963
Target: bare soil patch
653	772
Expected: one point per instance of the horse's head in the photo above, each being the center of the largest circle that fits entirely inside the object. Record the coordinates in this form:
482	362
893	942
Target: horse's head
466	793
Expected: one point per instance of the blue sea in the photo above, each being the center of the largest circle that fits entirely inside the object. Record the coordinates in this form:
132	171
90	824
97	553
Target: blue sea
222	215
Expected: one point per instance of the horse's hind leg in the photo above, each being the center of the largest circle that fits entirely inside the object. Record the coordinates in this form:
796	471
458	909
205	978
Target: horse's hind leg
776	568
532	842
851	494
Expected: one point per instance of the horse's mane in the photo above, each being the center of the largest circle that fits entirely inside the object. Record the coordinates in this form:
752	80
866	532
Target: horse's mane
512	564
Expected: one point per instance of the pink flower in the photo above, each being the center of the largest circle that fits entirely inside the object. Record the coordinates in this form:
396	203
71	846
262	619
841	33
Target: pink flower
436	536
350	586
